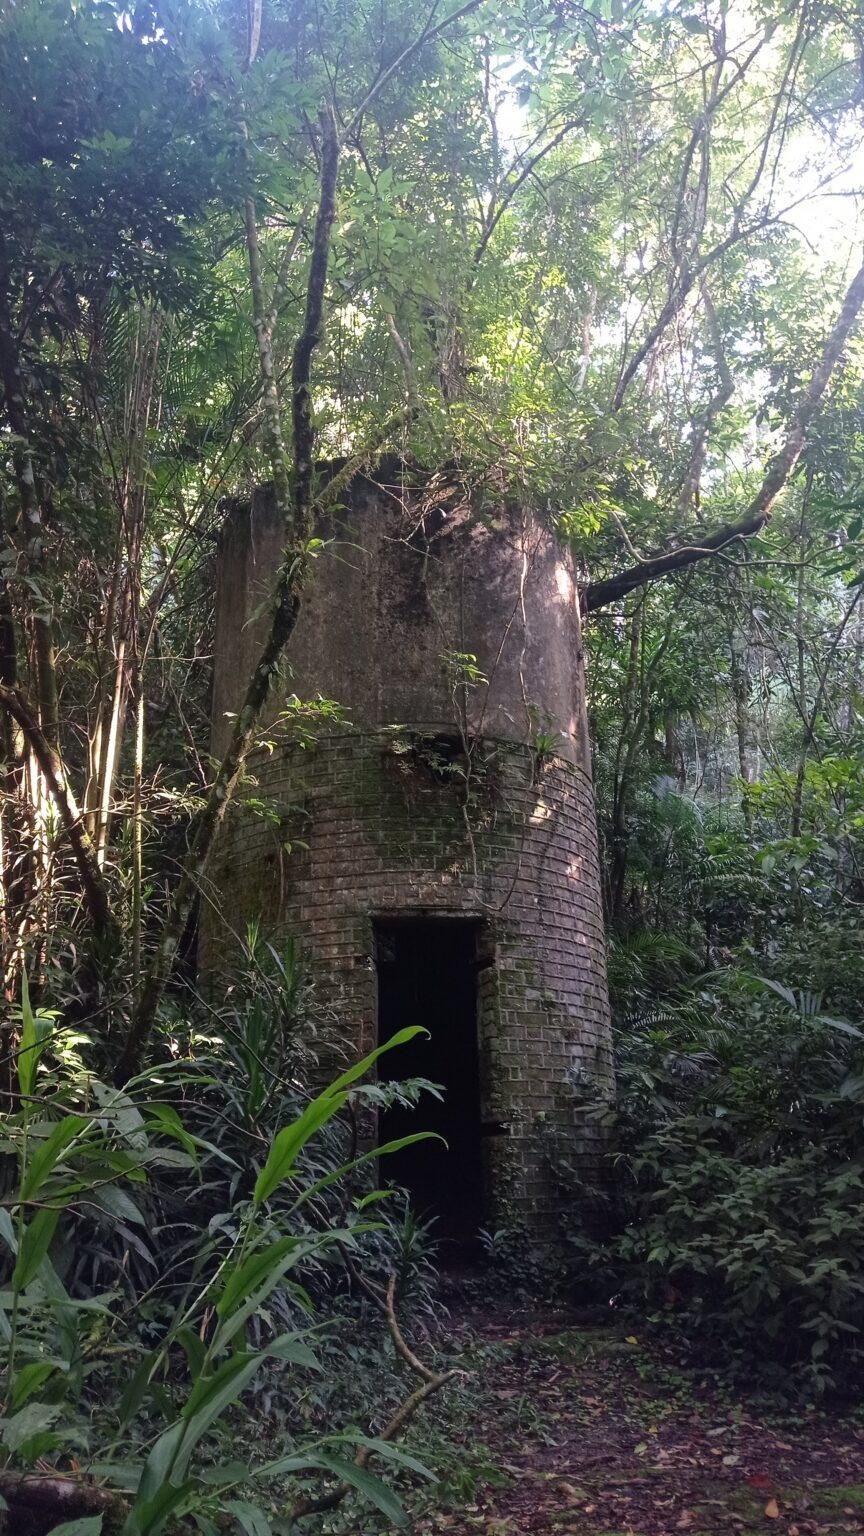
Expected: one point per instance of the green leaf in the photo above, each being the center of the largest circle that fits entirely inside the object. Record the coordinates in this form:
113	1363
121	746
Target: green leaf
47	1155
209	1398
34	1246
125	1114
374	1196
842	1025
367	1157
302	1249
193	1347
366	1483
29	1379
148	1516
115	1201
135	1390
34	1038
250	1517
293	1347
155	1472
165	1119
249	1274
7	1230
292	1138
394	1453
360	1068
22	1426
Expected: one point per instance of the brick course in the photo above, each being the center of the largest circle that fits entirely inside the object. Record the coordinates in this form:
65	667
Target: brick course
388	835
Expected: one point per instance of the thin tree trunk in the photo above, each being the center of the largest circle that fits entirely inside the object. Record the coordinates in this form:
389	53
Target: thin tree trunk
137	837
111	739
297	512
621	782
51	766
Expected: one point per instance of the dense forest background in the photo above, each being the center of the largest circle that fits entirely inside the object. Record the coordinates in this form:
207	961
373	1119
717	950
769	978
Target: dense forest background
599	260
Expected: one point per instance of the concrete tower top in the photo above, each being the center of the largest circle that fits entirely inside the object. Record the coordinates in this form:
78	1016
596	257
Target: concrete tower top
407	598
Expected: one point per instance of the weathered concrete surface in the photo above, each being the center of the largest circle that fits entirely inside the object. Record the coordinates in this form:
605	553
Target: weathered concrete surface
397	595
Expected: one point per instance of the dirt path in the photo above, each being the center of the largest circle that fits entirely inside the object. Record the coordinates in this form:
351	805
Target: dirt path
581	1433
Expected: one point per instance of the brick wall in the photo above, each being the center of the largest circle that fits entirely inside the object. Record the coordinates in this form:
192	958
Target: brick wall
379	823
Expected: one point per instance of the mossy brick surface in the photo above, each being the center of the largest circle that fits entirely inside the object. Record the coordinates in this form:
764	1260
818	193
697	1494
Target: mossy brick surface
543	1014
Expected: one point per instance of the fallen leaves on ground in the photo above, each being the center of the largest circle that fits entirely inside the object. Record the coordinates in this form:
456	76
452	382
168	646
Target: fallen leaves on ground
598	1438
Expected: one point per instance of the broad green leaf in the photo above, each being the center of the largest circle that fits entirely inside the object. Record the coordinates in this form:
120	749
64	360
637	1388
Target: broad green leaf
784	992
34	1246
148	1516
302	1249
165	1119
292	1138
118	1108
156	1469
371	1487
136	1389
193	1347
48	1153
7	1229
116	1202
29	1379
209	1398
248	1275
389	1452
27	1422
250	1517
374	1196
290	1141
292	1347
843	1025
360	1068
34	1037
367	1157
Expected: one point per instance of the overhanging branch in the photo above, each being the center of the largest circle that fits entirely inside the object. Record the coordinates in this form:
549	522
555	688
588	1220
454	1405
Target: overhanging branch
599	594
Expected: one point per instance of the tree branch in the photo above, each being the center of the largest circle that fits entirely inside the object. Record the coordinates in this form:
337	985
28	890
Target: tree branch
429	33
431	1382
495	216
92	880
599	593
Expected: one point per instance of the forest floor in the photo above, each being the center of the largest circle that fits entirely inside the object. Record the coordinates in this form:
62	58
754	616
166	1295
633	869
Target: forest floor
566	1431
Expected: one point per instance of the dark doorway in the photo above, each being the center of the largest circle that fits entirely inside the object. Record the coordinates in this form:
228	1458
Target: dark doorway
427	975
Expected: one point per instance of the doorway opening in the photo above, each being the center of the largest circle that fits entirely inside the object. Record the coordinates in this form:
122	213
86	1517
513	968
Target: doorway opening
427	975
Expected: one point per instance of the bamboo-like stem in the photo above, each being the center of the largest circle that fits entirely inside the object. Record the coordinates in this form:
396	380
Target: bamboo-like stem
137	837
109	756
52	768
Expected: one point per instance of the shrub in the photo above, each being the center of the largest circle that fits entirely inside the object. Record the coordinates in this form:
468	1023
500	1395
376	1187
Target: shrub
734	1195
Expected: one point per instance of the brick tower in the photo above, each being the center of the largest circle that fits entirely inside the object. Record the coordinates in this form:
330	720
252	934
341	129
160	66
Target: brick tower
434	849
